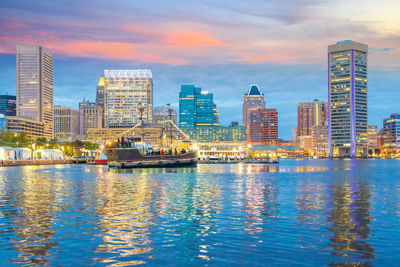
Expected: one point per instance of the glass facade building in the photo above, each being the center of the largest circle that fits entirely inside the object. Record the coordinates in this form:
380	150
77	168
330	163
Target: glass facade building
216	133
8	105
348	99
262	126
35	85
196	107
391	131
126	92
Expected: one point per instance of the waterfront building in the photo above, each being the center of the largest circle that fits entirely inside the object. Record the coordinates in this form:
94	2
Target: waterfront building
391	132
262	126
35	86
8	105
306	142
162	114
372	137
65	122
196	107
222	150
128	98
252	99
150	135
32	128
216	133
320	141
90	116
348	99
311	114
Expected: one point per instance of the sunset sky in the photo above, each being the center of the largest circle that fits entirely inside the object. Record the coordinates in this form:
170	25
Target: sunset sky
222	46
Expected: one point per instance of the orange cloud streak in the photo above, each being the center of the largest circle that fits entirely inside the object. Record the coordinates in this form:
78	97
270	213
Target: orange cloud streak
192	38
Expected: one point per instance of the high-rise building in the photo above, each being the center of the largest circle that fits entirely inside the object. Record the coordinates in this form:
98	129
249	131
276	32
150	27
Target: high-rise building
35	85
391	131
252	99
90	116
348	99
128	97
162	114
8	105
65	122
262	127
372	137
196	107
311	114
100	92
320	141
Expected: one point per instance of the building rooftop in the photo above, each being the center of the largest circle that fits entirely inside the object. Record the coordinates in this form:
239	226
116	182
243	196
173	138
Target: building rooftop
253	90
127	74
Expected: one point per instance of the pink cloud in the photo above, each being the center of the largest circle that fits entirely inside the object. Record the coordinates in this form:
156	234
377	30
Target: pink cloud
192	39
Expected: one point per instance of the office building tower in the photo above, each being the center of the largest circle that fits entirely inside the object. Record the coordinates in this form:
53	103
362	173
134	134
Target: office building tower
262	127
391	132
372	137
35	86
161	114
252	99
90	116
128	98
196	107
348	99
8	105
311	114
100	92
65	122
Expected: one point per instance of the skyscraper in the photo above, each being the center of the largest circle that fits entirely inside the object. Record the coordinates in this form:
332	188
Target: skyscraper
262	126
100	92
252	99
310	114
128	97
196	107
65	122
8	105
35	85
348	99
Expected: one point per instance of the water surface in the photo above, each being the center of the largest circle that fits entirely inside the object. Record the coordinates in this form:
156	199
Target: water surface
300	212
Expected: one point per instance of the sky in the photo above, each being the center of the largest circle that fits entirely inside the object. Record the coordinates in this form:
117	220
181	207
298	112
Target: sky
221	46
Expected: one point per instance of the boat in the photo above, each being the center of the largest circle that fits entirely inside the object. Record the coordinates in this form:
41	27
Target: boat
125	154
102	160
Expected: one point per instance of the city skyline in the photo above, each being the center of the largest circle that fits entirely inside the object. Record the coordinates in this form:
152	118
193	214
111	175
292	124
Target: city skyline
271	54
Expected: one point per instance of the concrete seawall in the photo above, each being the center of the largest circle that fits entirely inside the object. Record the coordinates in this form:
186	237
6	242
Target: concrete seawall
6	163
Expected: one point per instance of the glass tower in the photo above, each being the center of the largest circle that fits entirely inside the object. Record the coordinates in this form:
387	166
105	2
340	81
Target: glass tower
348	99
8	105
35	86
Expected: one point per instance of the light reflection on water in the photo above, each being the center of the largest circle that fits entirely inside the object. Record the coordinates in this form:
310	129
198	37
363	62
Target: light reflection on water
297	213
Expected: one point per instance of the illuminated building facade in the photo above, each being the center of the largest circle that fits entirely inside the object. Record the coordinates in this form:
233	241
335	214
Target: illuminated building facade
65	122
35	85
32	128
252	99
196	107
372	137
262	127
320	141
100	96
216	133
311	114
391	131
90	116
126	93
348	99
8	105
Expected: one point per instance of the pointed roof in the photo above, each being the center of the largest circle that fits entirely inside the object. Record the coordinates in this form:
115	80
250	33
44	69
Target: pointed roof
253	90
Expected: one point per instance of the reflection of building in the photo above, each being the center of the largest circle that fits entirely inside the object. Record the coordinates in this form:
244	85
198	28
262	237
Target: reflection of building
348	99
65	122
262	126
32	128
216	133
150	135
8	105
128	97
252	99
35	86
372	136
90	116
196	107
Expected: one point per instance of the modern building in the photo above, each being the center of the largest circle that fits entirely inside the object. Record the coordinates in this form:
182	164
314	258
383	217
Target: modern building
128	98
35	86
196	107
32	128
252	99
348	99
161	114
8	105
65	122
391	131
3	123
311	114
372	137
100	92
320	141
90	116
262	127
216	133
